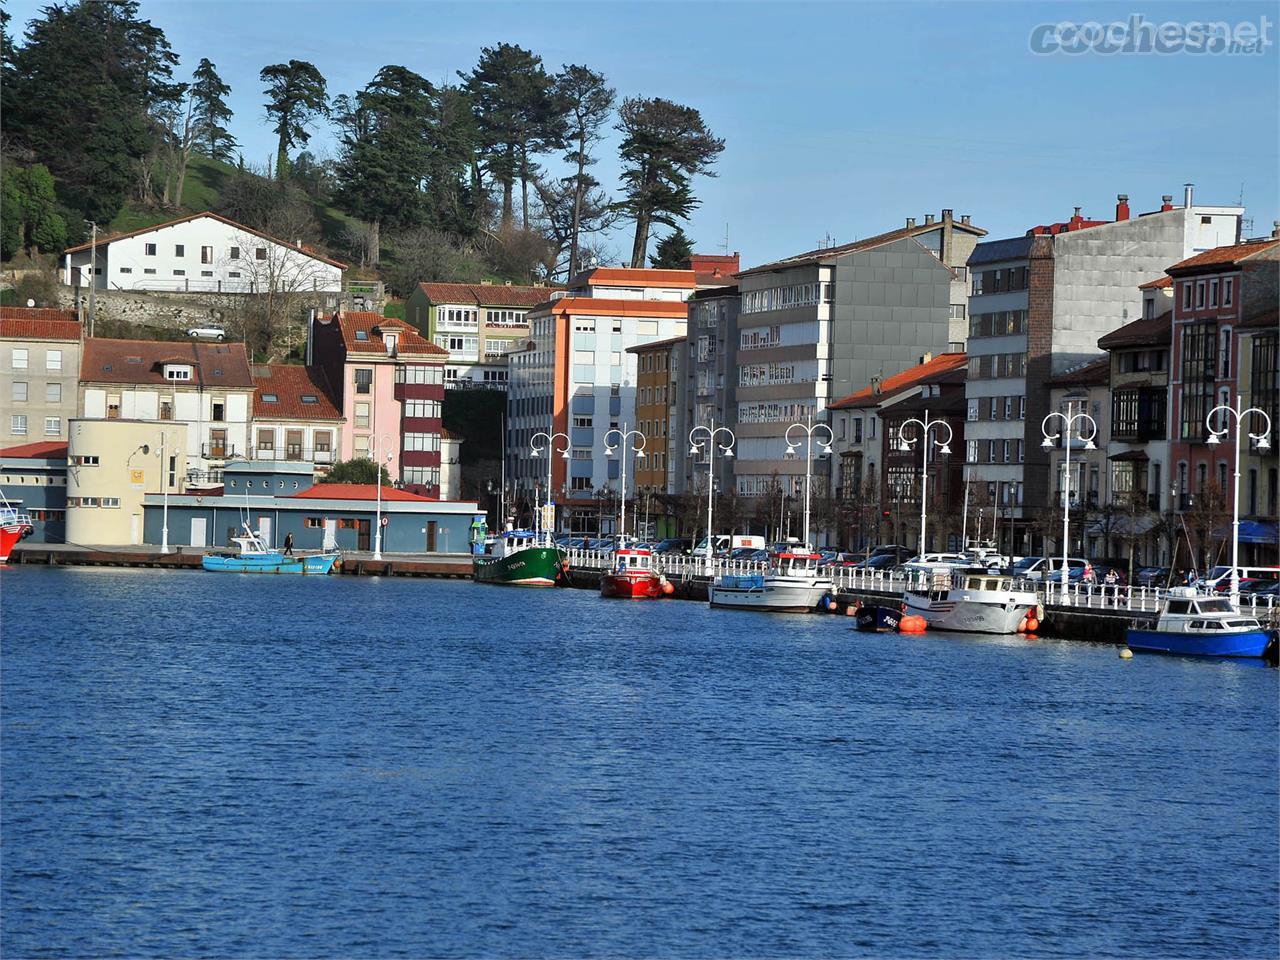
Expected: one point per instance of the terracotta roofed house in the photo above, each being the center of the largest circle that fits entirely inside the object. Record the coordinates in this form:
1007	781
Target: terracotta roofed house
295	416
388	383
39	367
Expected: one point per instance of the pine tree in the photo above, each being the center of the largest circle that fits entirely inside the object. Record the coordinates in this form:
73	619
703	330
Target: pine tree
296	95
31	219
518	116
674	252
664	146
80	97
386	129
587	101
210	112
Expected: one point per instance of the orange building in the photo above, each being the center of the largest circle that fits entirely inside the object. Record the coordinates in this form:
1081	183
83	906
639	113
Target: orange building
658	367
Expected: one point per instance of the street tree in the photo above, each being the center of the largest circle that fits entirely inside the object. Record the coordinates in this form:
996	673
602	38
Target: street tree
664	146
296	96
31	220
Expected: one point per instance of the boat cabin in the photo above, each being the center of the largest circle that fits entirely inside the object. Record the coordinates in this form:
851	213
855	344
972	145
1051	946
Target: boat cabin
513	541
633	560
1186	611
798	564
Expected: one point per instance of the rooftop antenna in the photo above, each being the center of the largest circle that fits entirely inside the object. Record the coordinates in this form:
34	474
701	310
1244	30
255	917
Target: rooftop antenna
1246	223
726	239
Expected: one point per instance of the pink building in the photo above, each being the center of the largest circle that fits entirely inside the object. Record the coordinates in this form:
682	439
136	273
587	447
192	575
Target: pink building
389	382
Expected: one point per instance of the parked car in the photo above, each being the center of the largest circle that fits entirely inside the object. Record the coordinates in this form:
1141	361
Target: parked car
1261	589
878	561
1046	568
1151	577
748	553
673	545
207	333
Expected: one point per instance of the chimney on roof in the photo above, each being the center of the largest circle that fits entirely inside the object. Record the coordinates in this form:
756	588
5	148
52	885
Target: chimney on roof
486	283
911	222
1188	190
298	242
928	219
926	357
1122	207
875	386
1275	229
507	283
947	215
964	218
1166	203
1076	215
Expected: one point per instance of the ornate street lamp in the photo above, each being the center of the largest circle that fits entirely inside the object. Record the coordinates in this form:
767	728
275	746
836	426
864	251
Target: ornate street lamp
702	438
943	446
1264	444
1076	422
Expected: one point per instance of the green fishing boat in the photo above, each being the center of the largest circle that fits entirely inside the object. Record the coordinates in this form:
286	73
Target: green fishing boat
520	558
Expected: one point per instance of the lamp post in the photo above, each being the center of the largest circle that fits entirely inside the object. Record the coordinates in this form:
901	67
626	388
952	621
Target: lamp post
943	446
377	482
1070	422
809	429
164	488
549	445
701	438
1264	444
633	441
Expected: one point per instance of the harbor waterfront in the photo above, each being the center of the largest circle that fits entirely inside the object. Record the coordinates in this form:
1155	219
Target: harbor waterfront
218	765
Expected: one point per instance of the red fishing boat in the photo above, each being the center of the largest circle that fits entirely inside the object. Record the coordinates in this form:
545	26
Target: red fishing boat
632	577
14	527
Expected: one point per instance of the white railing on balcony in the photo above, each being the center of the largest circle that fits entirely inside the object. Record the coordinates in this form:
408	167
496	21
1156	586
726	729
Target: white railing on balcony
853	580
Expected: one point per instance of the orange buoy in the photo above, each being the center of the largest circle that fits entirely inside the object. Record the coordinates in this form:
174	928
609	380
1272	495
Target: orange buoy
668	588
851	610
1032	624
912	624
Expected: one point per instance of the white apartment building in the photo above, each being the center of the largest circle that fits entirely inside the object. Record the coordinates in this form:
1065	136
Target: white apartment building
202	253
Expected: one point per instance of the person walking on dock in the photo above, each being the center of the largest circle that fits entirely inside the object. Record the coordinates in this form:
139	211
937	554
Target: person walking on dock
288	544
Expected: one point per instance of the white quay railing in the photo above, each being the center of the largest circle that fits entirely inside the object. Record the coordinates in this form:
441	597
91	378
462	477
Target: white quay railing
851	580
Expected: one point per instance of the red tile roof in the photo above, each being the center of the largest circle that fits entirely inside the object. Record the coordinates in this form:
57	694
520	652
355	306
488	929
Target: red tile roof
37	313
1226	256
61	330
40	450
880	239
867	396
103	241
1095	373
362	333
1156	331
358	491
1157	284
141	361
289	383
486	294
638	277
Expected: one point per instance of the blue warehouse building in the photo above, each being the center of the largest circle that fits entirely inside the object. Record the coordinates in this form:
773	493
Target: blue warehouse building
33	478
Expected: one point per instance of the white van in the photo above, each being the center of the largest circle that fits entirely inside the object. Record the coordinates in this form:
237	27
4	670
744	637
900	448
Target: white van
723	543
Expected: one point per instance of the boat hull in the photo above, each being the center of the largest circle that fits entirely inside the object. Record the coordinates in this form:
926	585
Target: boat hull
872	618
1220	643
10	536
967	615
622	586
311	565
768	594
533	567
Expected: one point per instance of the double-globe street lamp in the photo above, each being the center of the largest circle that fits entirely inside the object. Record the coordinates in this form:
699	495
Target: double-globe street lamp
701	438
1077	423
549	445
384	441
809	429
1263	441
632	441
944	446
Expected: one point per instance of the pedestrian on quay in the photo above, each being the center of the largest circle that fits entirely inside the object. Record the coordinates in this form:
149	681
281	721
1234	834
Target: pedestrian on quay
288	544
1112	580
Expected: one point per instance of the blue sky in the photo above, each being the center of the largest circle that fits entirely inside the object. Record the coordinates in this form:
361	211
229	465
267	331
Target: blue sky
840	119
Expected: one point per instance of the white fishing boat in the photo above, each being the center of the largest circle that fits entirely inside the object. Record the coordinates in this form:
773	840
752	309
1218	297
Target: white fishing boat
971	601
792	585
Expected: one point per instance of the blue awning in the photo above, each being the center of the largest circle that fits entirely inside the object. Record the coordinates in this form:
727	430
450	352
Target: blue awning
1251	531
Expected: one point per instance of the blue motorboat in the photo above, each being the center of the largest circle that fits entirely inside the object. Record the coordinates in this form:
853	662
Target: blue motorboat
876	617
1193	624
253	556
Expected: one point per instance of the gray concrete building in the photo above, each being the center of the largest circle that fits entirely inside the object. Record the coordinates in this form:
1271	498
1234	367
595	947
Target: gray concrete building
709	384
825	323
39	373
1038	305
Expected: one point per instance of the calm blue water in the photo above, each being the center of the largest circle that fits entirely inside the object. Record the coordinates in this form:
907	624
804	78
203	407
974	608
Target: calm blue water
203	765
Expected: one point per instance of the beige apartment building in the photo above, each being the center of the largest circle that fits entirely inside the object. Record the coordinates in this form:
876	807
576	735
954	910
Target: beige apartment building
111	466
39	370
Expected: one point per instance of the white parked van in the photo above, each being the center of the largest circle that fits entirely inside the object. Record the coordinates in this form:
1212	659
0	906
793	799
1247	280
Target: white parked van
723	543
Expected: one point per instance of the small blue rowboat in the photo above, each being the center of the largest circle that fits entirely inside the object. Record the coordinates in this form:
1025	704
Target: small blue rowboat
1193	624
255	557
